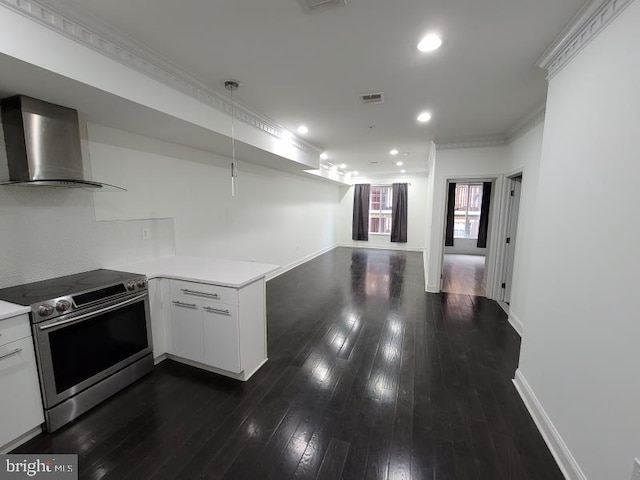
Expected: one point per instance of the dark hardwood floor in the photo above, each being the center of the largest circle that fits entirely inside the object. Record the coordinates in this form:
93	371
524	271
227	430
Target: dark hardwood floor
368	377
463	274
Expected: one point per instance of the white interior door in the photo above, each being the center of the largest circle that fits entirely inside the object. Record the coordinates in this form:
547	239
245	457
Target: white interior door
512	230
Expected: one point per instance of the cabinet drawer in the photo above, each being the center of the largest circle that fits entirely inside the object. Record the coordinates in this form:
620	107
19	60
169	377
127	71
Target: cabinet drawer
205	291
221	336
14	328
20	403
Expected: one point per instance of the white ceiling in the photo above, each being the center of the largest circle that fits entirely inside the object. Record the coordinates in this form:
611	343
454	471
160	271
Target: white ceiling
298	68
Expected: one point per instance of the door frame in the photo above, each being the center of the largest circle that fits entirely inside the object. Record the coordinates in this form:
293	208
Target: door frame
495	289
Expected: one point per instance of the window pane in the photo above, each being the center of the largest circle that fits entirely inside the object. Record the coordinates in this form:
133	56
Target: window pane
459	226
468	203
474	225
380	199
374	225
475	198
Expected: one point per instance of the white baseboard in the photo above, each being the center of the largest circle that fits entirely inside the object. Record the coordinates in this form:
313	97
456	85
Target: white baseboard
237	376
393	246
159	359
567	463
297	263
516	323
34	432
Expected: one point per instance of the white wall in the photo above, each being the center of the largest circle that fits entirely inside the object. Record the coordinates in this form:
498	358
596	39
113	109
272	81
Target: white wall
46	232
431	175
580	352
416	214
465	246
470	164
275	218
523	155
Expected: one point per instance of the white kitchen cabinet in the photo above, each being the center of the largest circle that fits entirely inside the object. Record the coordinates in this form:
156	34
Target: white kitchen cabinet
221	342
187	328
227	338
20	402
233	344
158	295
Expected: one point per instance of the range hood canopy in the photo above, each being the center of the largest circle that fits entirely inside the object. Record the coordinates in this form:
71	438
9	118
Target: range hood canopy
43	145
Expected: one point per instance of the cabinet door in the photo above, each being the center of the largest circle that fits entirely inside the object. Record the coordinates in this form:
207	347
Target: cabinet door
186	325
20	403
222	346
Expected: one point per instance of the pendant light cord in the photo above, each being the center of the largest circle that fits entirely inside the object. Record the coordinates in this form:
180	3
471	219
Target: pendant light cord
234	165
232	85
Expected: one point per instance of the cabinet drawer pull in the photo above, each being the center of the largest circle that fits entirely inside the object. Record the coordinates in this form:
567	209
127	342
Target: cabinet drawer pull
219	311
186	291
8	354
186	305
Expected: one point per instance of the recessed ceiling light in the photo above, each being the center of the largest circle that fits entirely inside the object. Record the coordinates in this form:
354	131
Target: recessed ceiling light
399	164
302	129
424	117
354	172
406	154
394	152
343	165
403	171
324	156
430	43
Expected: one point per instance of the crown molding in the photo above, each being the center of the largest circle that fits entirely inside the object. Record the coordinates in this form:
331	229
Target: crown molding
522	126
90	32
592	18
453	143
526	123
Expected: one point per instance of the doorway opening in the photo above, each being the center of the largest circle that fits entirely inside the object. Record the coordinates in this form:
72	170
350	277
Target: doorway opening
466	237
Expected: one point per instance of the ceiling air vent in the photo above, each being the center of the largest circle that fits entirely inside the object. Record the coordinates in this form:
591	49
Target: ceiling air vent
373	98
311	6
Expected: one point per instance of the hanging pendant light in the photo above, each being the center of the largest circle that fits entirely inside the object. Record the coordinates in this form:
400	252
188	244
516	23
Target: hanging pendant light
233	85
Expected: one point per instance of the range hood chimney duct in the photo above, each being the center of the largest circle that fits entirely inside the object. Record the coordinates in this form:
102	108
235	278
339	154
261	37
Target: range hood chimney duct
42	141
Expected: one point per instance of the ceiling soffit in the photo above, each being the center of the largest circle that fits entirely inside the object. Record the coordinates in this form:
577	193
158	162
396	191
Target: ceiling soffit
91	33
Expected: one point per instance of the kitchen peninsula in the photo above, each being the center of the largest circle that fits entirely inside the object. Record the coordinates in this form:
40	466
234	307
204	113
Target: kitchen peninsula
208	313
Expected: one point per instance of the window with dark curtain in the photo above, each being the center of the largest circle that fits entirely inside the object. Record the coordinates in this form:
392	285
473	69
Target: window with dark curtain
483	229
451	210
399	213
360	226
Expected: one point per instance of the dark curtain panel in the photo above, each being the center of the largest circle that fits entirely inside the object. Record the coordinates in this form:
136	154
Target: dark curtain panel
451	207
399	213
484	215
360	228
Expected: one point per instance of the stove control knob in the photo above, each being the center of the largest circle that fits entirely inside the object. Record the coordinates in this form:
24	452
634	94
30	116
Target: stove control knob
131	286
45	310
63	305
142	283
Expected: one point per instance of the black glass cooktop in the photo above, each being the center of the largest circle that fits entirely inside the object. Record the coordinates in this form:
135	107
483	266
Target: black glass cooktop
35	292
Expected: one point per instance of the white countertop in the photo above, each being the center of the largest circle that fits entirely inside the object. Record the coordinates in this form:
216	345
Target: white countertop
8	310
228	273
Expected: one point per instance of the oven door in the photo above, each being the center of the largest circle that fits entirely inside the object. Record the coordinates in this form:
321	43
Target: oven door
78	350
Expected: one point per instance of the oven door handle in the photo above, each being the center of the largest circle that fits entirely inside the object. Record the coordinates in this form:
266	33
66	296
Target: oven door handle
95	312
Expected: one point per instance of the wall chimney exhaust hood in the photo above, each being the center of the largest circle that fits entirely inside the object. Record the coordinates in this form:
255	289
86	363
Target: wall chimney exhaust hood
43	145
